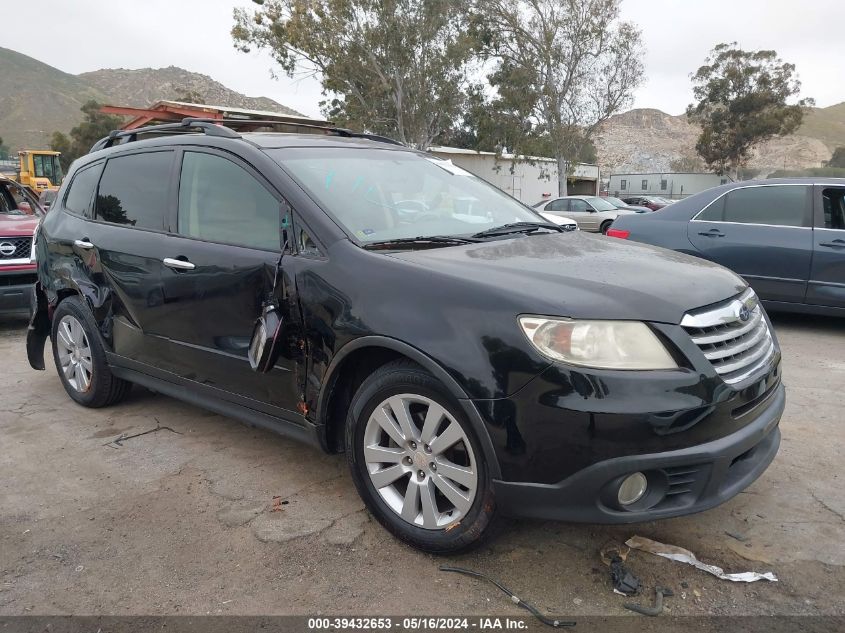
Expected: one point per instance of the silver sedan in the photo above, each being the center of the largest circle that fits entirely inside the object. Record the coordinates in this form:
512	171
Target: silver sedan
590	212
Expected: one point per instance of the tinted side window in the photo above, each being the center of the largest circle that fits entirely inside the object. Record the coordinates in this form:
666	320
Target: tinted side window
779	205
133	190
833	206
81	192
578	205
221	202
558	205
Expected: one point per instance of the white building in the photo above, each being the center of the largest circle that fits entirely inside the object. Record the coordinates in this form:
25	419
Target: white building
530	182
666	185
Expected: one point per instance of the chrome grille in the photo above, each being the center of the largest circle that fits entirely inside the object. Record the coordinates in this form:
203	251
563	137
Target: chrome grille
15	247
736	348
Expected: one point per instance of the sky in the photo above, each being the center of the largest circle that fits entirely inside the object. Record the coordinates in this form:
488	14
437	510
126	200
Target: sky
82	35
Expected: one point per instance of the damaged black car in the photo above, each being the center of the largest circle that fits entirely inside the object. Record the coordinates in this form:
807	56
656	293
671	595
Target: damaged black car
470	358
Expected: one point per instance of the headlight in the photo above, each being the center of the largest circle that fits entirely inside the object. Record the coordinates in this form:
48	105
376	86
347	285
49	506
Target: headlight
599	344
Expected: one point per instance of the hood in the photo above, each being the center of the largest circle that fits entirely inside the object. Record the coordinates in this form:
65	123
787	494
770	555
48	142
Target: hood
584	276
17	225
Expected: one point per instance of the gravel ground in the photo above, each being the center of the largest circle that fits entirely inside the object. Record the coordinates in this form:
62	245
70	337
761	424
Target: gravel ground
181	521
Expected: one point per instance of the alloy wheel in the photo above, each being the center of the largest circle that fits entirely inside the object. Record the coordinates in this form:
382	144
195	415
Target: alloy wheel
74	353
420	461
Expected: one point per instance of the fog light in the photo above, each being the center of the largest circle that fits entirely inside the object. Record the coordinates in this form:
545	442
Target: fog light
632	489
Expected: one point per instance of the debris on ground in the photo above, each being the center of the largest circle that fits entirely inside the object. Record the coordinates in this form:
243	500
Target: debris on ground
118	441
737	536
657	609
547	620
623	581
681	555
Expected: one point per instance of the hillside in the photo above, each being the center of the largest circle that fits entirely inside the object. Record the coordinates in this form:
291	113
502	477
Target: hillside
827	125
141	87
37	99
649	140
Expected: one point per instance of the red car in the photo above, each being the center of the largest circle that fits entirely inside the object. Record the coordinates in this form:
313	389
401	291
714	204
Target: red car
647	201
20	214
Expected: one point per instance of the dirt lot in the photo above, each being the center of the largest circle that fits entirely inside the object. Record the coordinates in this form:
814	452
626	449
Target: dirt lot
180	522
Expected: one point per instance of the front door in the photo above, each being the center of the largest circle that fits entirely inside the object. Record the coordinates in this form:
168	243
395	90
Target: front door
221	269
827	278
764	233
583	214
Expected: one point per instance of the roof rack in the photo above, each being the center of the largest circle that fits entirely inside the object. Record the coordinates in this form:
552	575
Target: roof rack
223	128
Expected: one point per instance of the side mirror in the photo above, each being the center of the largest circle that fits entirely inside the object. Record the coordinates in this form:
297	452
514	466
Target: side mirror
263	347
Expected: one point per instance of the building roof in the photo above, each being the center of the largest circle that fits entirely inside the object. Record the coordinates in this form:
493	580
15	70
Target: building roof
443	149
672	173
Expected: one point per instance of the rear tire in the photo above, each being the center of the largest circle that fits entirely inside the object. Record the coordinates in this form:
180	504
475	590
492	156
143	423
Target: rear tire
421	472
81	358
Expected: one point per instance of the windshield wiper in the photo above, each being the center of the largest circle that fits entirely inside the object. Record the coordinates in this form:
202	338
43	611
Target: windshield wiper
518	227
423	240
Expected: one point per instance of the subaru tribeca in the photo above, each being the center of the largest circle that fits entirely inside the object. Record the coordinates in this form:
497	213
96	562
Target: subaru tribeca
469	359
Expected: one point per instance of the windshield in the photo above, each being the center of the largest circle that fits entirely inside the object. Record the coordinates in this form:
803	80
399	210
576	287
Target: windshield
15	201
616	202
600	204
47	166
383	194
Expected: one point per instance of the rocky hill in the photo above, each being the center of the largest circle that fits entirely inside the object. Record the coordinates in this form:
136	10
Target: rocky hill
141	87
648	140
37	99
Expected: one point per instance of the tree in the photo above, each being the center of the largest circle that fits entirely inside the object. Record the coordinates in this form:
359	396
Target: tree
393	67
742	101
837	160
562	67
4	150
80	139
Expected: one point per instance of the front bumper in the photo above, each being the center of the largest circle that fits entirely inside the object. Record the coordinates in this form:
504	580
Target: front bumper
681	481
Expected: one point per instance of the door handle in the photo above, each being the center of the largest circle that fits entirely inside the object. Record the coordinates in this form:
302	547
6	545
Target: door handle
178	264
83	243
834	244
712	233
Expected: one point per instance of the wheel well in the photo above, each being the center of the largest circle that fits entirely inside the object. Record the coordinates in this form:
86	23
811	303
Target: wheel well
64	293
346	379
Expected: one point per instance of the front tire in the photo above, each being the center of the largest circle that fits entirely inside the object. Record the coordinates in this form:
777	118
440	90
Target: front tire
605	226
417	462
81	358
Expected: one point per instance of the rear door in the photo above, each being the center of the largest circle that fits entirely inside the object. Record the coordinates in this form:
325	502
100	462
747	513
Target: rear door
124	246
827	277
762	232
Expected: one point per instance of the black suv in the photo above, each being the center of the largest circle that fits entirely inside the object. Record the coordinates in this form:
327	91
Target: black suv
467	356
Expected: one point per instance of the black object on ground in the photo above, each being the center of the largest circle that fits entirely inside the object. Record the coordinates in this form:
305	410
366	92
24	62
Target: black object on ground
623	580
116	443
657	609
548	621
